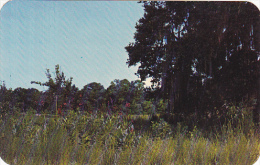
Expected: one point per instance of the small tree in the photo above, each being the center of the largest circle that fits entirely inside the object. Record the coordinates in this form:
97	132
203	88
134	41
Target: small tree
59	89
92	96
5	99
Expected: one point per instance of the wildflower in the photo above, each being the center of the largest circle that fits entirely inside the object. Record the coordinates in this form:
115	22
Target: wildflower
59	111
115	108
127	105
132	129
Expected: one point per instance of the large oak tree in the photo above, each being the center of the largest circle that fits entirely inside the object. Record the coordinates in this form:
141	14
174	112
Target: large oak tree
198	53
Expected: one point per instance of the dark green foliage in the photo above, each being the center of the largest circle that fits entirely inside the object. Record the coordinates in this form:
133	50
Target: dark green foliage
92	96
199	54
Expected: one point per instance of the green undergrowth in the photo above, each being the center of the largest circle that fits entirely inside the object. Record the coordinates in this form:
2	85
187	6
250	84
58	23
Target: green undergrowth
101	139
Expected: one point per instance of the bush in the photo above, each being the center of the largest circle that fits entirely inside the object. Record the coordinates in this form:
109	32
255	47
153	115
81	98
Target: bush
160	129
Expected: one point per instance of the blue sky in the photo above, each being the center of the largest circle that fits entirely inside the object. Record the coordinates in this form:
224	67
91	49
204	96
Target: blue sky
85	38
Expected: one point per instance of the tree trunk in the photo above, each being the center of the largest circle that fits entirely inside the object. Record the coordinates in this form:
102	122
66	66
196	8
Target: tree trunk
176	86
184	106
171	98
210	66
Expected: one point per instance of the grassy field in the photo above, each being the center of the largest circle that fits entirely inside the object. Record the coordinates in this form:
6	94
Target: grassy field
88	139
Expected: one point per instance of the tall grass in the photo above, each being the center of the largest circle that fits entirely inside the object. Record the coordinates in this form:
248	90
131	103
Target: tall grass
101	139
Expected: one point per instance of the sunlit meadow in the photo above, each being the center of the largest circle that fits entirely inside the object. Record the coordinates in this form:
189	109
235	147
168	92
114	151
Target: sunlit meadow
99	138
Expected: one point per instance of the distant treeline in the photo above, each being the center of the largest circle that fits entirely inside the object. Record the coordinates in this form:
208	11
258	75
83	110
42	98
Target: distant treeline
61	96
121	96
